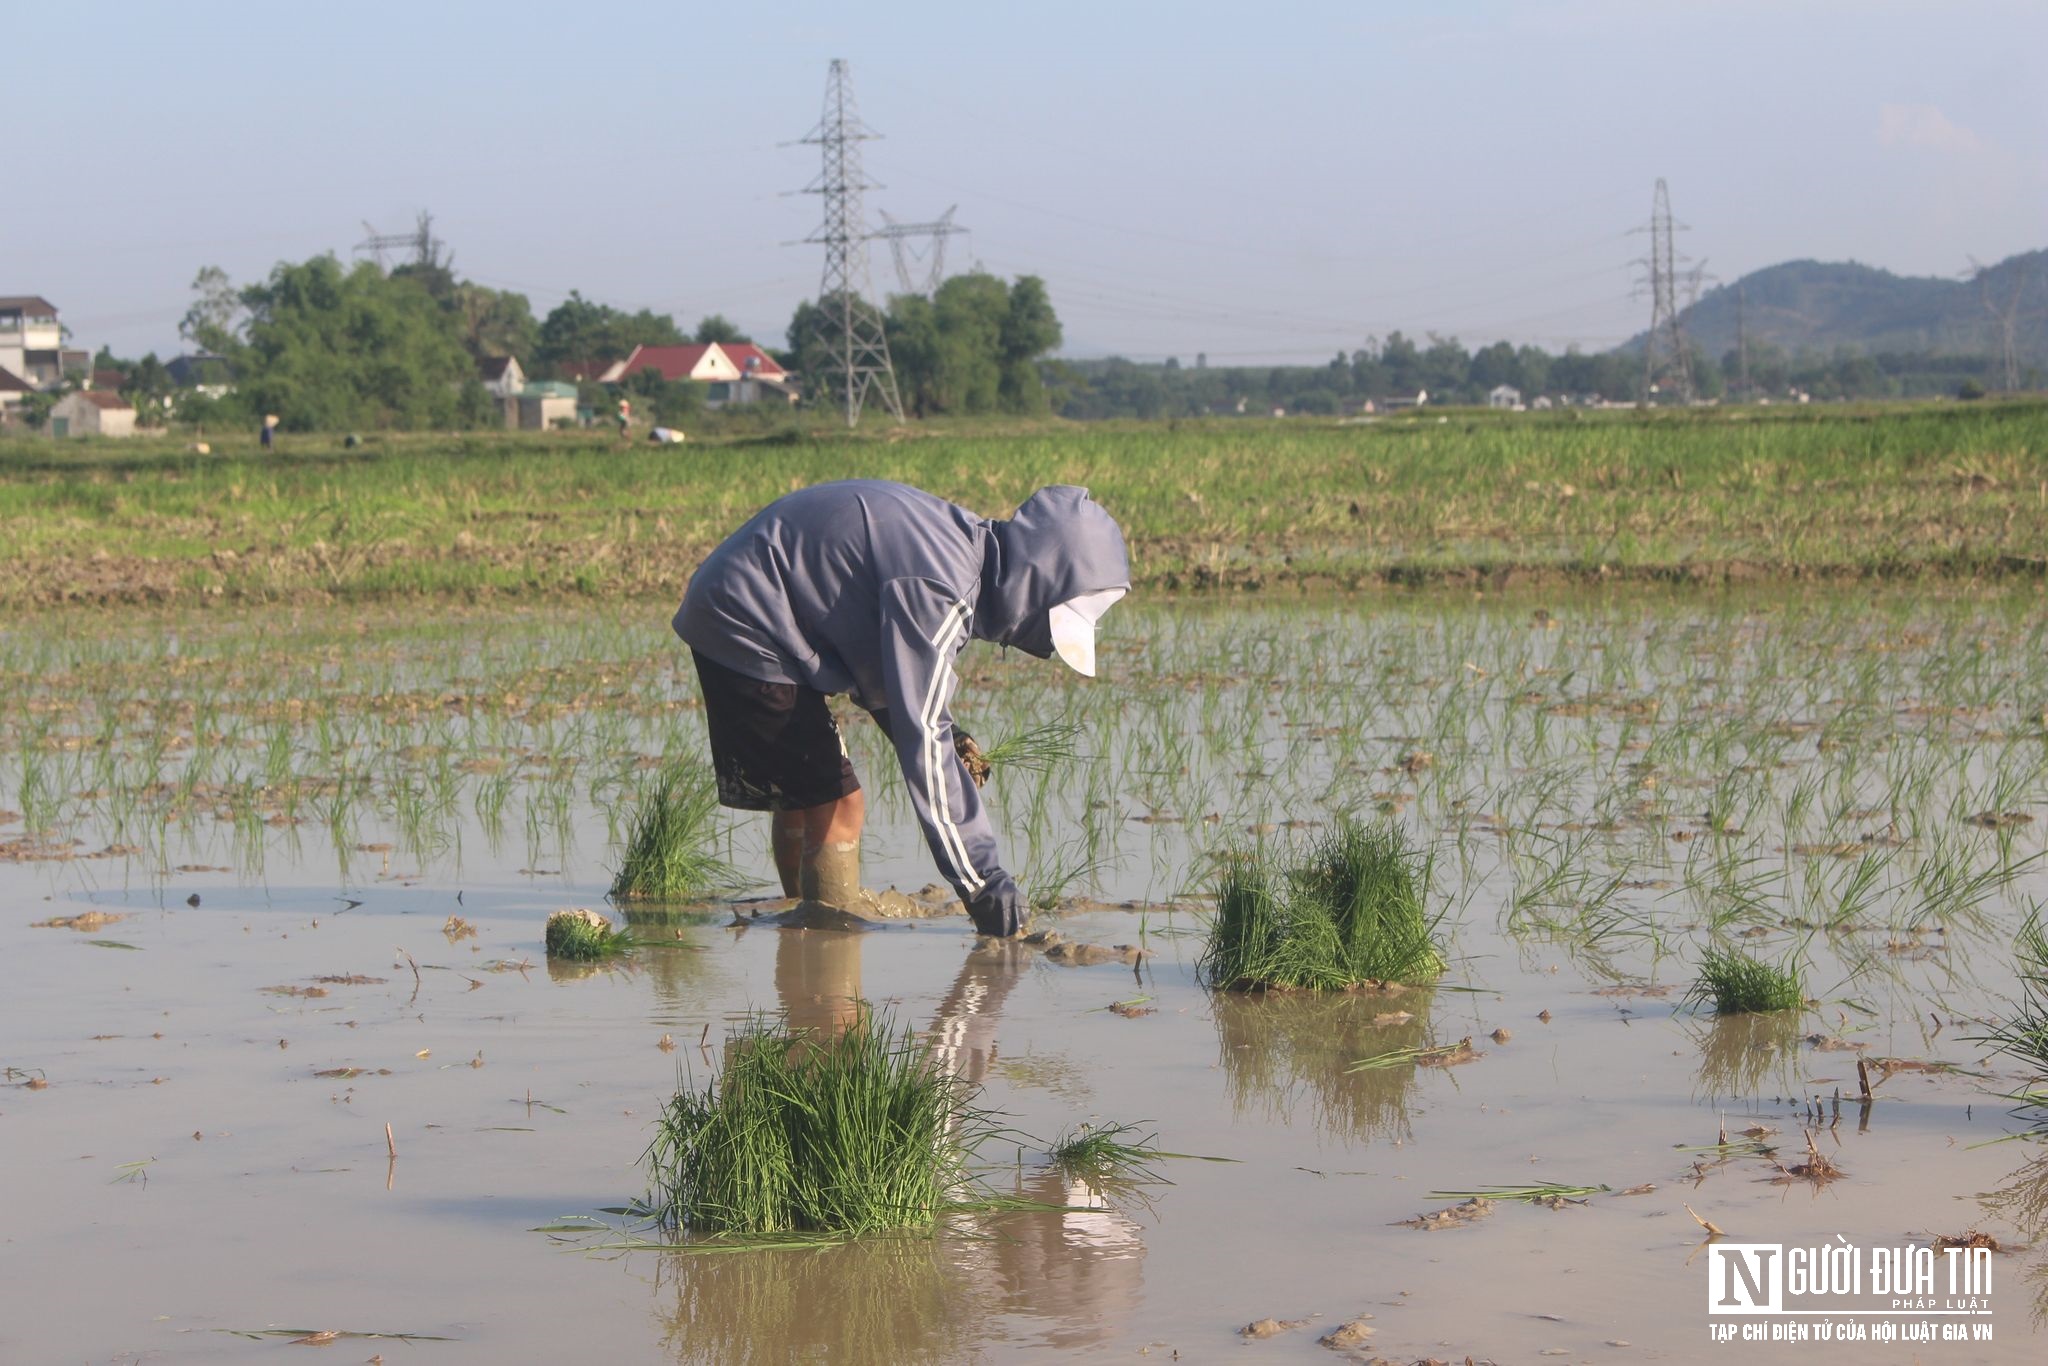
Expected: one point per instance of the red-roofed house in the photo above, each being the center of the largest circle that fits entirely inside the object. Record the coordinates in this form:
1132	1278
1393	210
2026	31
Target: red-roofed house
736	372
91	412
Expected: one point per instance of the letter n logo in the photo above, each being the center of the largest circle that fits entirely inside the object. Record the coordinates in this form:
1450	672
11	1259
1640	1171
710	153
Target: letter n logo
1745	1278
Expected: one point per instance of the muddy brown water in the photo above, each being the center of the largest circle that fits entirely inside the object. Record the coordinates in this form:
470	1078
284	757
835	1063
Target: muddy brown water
205	1154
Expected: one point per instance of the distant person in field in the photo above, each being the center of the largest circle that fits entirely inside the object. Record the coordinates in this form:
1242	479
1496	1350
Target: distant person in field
625	416
269	430
872	589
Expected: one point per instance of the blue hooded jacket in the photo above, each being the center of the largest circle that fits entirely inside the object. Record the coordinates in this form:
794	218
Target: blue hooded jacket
873	588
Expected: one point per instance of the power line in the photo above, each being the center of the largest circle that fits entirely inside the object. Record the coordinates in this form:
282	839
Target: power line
850	326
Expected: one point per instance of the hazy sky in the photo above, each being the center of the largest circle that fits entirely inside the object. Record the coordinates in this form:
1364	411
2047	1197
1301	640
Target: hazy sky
1257	182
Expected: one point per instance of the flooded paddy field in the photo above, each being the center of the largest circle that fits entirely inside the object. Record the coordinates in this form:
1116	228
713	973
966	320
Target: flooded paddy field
273	883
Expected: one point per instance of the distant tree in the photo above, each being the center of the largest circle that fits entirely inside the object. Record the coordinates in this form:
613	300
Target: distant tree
495	323
1030	330
214	320
148	383
329	349
1496	365
970	312
1401	362
578	329
716	327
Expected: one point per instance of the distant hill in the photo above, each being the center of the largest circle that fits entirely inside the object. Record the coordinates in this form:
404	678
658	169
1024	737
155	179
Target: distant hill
1820	305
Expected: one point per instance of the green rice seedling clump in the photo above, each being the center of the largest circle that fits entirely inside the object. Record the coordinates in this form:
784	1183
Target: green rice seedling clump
858	1134
584	936
2022	1033
1105	1152
1037	750
1738	984
1353	912
668	848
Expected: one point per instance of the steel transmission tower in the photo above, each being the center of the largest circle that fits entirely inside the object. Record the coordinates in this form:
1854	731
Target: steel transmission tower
2006	319
425	247
932	257
850	326
1667	360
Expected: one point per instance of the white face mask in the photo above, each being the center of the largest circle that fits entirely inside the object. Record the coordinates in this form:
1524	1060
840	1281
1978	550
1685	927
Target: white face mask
1073	628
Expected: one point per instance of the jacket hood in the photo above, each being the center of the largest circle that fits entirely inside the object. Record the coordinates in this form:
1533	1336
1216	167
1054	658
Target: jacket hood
1060	544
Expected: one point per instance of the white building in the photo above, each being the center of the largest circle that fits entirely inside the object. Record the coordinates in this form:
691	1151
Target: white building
32	342
91	412
502	376
1504	396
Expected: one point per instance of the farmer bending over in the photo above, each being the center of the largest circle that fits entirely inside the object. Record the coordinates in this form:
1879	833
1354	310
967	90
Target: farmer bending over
872	588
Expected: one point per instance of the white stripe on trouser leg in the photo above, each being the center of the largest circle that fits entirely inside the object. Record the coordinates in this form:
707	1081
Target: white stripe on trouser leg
937	790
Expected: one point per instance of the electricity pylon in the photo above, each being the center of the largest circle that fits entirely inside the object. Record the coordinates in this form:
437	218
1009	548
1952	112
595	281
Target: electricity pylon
1667	360
850	326
425	247
932	257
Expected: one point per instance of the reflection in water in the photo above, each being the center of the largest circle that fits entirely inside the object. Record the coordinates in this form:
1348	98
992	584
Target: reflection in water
817	980
883	1299
675	955
1279	1048
1062	1278
1075	1272
1742	1056
2022	1202
675	965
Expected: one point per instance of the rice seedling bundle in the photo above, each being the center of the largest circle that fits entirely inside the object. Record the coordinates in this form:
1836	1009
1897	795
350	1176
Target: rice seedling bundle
668	847
1738	984
583	936
862	1133
1352	912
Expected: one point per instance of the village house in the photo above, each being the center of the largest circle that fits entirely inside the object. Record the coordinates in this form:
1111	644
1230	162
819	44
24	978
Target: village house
1504	396
32	343
13	388
544	405
502	376
91	412
735	373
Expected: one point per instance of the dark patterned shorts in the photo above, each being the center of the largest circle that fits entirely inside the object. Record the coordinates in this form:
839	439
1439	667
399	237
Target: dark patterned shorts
774	746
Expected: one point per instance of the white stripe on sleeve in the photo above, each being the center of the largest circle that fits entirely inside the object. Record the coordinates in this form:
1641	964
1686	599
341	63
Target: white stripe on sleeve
937	790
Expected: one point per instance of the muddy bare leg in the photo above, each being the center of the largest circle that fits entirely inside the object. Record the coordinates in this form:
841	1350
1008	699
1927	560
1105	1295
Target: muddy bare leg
786	840
829	870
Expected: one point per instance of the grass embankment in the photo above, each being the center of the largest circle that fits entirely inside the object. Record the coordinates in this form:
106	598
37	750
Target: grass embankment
1462	497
